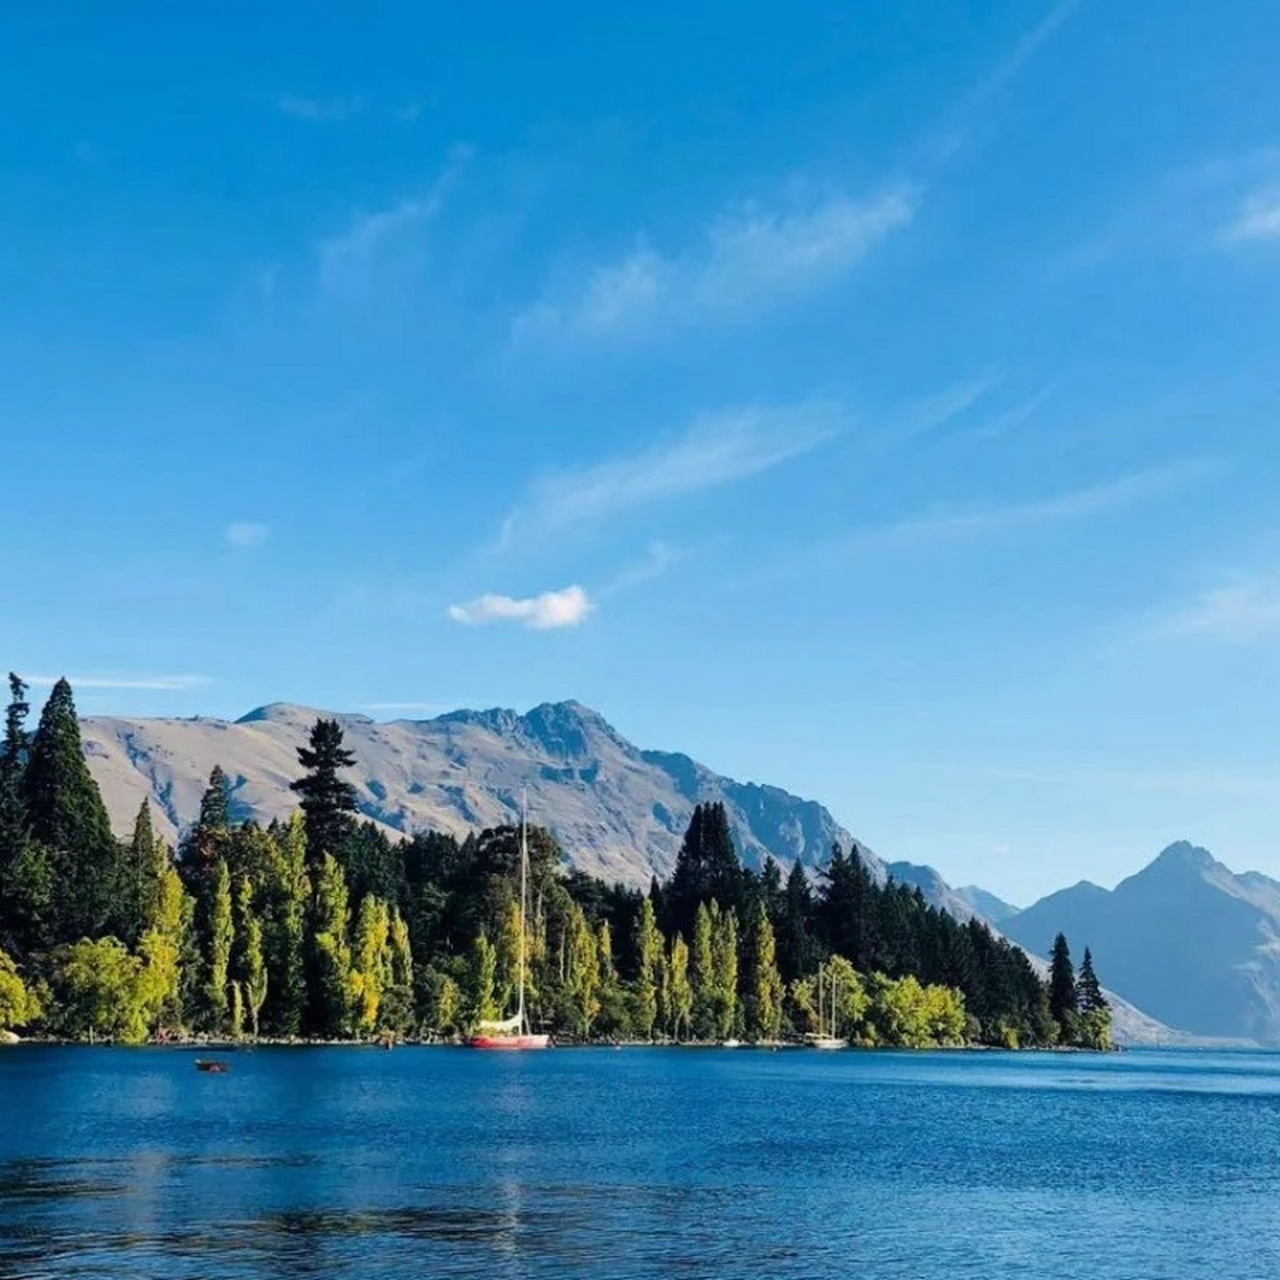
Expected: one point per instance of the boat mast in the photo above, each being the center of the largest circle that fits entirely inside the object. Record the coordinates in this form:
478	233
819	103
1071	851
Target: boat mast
524	877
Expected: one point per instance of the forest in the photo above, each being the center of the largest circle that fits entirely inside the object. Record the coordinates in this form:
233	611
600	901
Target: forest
324	927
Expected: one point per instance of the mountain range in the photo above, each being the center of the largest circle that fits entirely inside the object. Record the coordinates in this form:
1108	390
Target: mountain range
619	812
1186	939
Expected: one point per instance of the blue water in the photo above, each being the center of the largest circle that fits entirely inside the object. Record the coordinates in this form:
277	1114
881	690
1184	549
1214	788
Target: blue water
621	1163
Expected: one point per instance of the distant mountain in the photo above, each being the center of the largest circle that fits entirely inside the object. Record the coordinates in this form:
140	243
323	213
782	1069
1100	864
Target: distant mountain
1186	939
935	889
619	812
985	904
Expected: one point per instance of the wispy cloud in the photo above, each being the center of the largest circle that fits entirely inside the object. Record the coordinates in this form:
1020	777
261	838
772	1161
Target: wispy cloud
1242	610
931	414
660	559
1004	517
246	533
750	257
346	259
318	110
1258	218
549	611
160	683
715	450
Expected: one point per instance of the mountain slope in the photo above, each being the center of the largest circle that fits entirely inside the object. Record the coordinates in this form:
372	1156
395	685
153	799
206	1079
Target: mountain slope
619	812
1186	939
985	904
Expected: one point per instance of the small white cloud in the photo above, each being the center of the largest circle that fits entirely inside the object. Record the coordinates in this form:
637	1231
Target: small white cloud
714	450
1259	218
161	683
246	533
750	257
547	612
318	109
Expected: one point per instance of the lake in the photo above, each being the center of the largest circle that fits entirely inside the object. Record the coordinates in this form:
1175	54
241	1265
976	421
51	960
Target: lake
639	1162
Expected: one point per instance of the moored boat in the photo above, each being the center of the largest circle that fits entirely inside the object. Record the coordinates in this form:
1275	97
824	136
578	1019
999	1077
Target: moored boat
514	1032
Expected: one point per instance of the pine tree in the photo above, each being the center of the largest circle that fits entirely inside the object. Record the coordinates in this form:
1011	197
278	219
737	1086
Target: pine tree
707	869
13	762
142	867
208	840
795	946
765	981
328	801
1089	988
67	816
1064	1001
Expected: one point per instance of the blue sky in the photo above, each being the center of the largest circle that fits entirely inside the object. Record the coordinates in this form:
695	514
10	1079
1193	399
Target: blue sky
879	400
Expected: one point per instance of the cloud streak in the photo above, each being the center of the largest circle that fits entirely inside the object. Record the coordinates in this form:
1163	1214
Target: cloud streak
318	110
750	257
1243	610
346	259
246	533
1001	518
1259	218
159	683
715	450
550	611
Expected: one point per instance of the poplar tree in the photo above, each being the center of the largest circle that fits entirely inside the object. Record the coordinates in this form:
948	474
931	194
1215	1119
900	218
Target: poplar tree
679	988
648	959
702	971
764	979
371	960
583	983
286	895
725	973
250	965
330	994
482	975
221	937
397	999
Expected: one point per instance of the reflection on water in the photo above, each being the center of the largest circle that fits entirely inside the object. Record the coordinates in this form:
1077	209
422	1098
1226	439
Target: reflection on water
645	1163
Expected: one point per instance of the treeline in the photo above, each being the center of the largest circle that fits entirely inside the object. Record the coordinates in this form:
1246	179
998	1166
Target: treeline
322	927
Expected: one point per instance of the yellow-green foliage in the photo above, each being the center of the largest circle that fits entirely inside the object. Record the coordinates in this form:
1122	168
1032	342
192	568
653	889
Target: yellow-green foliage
97	991
907	1014
18	1004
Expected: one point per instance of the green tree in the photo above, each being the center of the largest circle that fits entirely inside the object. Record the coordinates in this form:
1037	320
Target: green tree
444	1005
142	868
371	961
13	761
160	951
96	992
725	973
249	962
328	800
765	982
331	986
18	1004
649	956
208	841
707	869
285	896
702	972
67	816
28	905
482	982
679	989
583	984
397	999
1064	1000
217	960
1094	1030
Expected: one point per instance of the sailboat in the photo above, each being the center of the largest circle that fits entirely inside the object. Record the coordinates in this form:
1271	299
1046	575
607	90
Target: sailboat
820	1039
513	1032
